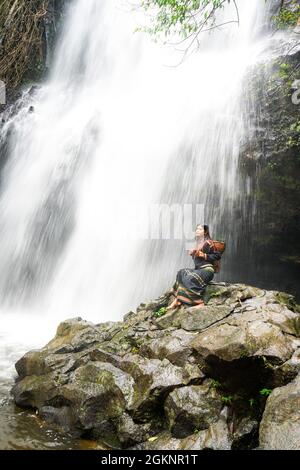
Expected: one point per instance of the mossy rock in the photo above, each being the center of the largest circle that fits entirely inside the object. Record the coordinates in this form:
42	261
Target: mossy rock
213	291
288	300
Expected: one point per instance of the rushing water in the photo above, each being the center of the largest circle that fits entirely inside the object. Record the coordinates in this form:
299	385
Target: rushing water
118	124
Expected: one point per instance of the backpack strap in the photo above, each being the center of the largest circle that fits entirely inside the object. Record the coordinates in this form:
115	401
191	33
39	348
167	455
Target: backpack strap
209	242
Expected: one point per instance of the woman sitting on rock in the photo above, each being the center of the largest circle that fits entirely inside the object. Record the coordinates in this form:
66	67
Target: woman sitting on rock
190	283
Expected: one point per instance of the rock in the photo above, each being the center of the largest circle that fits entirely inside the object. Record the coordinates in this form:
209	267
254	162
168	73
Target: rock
101	391
198	320
225	341
43	362
216	437
152	376
240	337
155	378
288	370
287	299
131	433
246	434
76	334
163	441
156	304
105	356
171	319
35	391
173	347
98	394
192	408
230	293
280	425
33	363
62	416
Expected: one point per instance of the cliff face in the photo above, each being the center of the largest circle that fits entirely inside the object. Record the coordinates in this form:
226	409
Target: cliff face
28	31
186	379
278	150
270	160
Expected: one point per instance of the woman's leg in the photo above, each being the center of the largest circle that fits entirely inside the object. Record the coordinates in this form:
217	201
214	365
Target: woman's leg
176	303
204	276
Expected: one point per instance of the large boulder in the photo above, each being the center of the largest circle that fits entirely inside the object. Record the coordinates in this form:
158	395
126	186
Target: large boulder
280	425
192	408
260	326
174	347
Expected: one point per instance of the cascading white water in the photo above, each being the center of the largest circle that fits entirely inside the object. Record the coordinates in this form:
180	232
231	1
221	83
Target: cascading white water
117	121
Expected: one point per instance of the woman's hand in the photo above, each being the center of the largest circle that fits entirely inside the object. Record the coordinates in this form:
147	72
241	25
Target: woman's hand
197	254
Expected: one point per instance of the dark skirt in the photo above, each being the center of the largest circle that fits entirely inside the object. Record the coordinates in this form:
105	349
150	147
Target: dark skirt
191	283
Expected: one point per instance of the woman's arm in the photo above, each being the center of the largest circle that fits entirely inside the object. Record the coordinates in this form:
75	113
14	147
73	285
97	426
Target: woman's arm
208	253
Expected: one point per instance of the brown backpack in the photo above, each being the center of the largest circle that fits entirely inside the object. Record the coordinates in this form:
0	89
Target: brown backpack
219	246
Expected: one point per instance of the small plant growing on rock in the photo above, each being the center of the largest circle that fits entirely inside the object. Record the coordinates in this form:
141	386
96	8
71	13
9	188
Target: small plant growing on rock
287	300
135	350
284	70
253	402
265	392
227	399
295	126
216	384
294	324
160	312
243	354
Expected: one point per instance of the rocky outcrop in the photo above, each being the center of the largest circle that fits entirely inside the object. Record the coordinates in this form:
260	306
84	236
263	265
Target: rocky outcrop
184	379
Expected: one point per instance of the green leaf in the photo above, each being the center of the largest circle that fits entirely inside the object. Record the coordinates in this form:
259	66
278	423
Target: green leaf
265	392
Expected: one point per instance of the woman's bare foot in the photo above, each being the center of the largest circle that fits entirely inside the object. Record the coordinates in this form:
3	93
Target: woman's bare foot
198	306
176	303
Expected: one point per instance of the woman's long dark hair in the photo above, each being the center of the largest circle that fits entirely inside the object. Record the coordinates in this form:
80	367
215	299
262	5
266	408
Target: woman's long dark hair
206	230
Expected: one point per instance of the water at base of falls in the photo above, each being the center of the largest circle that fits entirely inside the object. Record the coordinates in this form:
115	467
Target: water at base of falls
115	122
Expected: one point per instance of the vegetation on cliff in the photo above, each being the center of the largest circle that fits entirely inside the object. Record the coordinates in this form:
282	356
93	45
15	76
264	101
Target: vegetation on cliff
26	28
271	158
287	17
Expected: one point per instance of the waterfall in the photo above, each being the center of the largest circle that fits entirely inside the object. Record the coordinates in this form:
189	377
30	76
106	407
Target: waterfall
118	124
